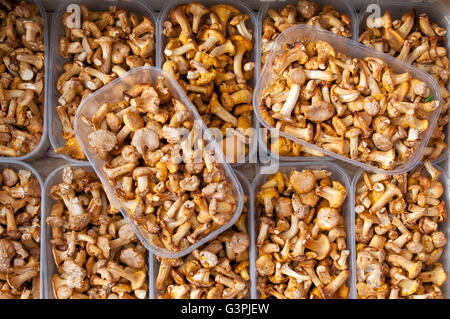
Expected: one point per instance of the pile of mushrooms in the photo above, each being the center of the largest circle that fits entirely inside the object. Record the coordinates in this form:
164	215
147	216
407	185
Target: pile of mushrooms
20	234
163	171
209	51
415	39
101	47
302	251
95	251
357	108
398	243
21	78
216	270
306	12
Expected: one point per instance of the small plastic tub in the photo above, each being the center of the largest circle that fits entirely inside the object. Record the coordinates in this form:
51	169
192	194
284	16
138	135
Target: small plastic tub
139	7
337	174
46	233
41	148
251	24
154	263
340	5
444	226
438	14
266	150
112	92
16	166
351	49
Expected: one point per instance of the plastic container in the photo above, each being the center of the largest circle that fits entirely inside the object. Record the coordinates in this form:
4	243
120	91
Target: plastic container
139	7
445	226
154	264
352	49
41	148
16	166
337	174
46	234
251	24
343	7
112	92
268	151
437	13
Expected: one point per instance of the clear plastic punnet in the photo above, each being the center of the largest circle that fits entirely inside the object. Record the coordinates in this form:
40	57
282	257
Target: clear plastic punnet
16	166
113	92
337	174
340	5
444	226
154	263
437	13
351	49
48	267
267	150
41	148
251	24
139	7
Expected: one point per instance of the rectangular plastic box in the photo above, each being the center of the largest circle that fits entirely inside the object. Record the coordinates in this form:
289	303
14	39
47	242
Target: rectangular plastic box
352	49
112	92
139	7
41	148
444	226
337	174
154	263
16	166
48	267
437	13
251	24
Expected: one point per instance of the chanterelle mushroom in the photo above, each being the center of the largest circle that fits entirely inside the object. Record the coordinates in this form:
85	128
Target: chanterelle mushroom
20	230
208	50
102	47
217	270
101	257
414	38
163	172
357	108
22	78
302	250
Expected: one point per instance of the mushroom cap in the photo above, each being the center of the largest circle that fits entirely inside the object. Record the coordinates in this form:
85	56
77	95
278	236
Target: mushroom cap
302	182
239	242
196	8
